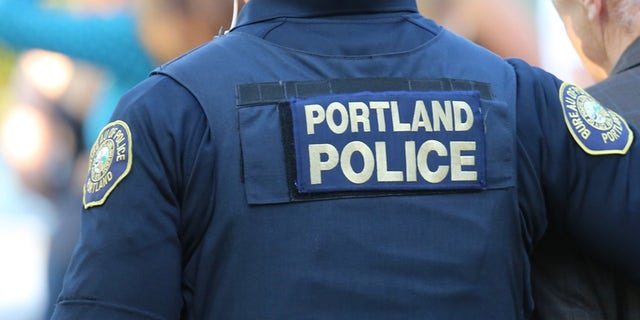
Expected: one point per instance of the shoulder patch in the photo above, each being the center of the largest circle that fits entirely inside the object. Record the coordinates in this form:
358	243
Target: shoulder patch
596	129
109	162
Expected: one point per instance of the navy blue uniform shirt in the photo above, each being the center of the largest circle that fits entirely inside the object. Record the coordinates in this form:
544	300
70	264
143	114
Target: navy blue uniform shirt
345	160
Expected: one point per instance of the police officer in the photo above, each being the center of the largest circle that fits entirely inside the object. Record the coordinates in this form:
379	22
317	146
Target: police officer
345	159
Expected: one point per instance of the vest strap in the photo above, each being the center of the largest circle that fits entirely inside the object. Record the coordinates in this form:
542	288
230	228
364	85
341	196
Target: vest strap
275	92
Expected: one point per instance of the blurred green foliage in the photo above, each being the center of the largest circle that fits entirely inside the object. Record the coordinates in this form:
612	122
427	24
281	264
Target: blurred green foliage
7	63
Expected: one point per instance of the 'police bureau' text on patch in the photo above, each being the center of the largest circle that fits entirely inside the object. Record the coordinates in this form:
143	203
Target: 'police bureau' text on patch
389	141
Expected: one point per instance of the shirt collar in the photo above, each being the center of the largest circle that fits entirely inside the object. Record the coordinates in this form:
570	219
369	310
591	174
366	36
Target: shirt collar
260	10
630	58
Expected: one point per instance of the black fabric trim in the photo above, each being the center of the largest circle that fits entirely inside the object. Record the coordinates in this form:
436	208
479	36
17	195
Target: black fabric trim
277	92
288	146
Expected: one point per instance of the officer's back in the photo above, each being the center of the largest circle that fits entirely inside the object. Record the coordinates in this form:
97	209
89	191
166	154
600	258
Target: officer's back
333	160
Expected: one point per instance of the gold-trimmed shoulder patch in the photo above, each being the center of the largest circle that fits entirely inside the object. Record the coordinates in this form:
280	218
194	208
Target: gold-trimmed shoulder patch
595	128
110	161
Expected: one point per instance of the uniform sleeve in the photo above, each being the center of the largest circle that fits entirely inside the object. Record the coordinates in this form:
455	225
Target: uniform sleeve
594	199
129	259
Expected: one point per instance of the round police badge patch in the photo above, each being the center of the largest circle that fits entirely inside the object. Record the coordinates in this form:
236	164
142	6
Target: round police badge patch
596	129
109	162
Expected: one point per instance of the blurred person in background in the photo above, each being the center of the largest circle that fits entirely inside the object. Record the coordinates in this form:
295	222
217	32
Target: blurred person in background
93	32
110	45
506	27
42	142
25	216
126	39
556	51
568	283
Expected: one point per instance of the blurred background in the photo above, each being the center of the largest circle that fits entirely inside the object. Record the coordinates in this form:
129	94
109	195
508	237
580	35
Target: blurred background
65	63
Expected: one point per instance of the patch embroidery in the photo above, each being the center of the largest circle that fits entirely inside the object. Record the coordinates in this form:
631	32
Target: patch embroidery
596	129
109	162
389	141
